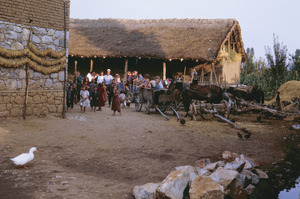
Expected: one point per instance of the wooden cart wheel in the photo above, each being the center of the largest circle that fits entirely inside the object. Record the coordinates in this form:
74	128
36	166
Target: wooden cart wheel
148	106
129	96
139	102
225	109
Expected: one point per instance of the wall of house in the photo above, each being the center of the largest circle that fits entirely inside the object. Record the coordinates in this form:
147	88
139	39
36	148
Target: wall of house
45	92
231	71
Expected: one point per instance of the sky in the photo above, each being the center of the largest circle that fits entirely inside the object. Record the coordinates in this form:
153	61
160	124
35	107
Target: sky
259	19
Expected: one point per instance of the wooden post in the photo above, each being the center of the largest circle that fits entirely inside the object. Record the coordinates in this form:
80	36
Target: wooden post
66	68
26	73
211	75
229	43
75	72
184	74
164	71
91	65
125	70
214	68
202	75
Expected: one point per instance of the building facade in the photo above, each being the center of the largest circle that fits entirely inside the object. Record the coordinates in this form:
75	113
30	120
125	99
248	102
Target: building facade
33	56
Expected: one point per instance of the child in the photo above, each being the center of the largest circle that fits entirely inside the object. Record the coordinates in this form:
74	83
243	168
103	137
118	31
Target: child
122	98
94	97
115	101
84	99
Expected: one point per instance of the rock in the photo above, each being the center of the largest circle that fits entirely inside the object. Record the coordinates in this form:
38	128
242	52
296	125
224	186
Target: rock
21	73
51	32
35	39
25	34
256	163
249	189
190	170
254	178
47	39
224	176
235	191
213	166
226	155
203	172
249	164
61	76
59	34
49	83
12	35
202	163
237	166
261	174
243	180
16	112
61	42
53	75
147	191
37	74
205	188
173	185
17	29
58	86
56	42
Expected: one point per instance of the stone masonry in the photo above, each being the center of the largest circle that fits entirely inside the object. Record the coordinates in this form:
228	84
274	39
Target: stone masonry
45	91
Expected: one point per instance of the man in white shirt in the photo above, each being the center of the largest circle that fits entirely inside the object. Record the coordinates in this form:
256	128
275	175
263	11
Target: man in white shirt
108	78
100	78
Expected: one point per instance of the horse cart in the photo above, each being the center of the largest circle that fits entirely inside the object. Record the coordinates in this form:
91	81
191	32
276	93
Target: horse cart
146	98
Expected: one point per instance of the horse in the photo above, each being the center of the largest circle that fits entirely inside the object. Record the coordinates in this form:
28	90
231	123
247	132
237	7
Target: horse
256	94
187	92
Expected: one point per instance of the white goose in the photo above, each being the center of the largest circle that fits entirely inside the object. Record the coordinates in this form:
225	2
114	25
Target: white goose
24	158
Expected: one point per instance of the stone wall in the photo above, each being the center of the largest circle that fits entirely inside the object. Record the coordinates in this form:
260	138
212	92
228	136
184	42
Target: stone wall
45	91
46	14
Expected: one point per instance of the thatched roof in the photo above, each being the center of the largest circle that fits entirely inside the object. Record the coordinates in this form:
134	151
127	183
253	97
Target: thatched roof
197	39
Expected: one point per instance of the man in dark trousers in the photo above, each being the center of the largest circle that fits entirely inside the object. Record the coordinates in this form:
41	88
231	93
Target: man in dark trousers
278	100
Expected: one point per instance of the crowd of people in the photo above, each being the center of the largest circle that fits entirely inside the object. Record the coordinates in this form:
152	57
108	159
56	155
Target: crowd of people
94	90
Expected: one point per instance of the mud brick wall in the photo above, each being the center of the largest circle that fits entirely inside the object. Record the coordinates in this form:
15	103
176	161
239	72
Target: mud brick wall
43	13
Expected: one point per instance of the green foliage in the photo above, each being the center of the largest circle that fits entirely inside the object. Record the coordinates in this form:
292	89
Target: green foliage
295	66
269	77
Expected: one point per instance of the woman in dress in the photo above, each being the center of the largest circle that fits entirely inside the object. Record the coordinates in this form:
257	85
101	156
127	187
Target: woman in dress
115	101
101	96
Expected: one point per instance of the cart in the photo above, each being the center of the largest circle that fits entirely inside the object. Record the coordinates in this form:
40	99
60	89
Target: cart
165	101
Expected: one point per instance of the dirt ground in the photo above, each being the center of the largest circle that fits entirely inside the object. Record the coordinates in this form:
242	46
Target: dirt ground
97	155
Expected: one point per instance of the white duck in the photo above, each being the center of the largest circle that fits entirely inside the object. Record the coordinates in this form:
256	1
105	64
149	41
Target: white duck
24	158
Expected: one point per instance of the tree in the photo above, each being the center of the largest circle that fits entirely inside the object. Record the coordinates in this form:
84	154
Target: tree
295	65
277	63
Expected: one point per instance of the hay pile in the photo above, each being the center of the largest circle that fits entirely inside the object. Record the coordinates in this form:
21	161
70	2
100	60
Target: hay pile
289	90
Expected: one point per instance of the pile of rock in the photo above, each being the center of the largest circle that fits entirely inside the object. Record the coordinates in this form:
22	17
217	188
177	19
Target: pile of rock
234	177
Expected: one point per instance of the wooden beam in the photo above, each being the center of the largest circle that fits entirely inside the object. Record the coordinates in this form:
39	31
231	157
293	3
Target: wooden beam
75	72
211	74
125	70
202	75
91	65
184	74
164	70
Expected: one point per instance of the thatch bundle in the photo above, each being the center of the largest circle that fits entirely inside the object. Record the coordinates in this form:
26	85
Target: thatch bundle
32	57
197	39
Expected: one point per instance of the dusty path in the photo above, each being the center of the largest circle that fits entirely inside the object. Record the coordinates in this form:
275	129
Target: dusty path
96	155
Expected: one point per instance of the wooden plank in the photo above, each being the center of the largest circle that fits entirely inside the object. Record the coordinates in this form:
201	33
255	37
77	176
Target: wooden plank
164	71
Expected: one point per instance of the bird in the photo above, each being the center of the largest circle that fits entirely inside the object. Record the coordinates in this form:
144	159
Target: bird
239	135
24	158
182	121
247	136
